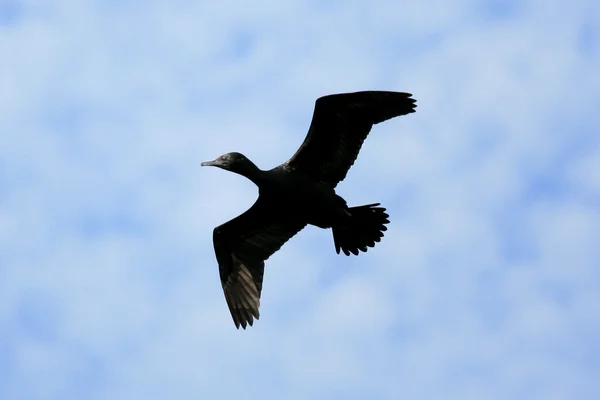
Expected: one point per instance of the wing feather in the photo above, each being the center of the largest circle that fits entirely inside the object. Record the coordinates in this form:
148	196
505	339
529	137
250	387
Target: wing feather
242	246
340	124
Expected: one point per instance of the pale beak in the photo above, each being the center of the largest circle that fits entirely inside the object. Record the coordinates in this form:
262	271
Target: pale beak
214	163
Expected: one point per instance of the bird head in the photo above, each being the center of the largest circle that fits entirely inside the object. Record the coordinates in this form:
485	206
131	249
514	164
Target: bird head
234	162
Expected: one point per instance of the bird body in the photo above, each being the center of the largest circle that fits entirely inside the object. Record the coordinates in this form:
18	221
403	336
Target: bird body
301	192
295	192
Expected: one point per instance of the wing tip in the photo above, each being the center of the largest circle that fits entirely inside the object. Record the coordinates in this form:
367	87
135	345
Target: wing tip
243	321
244	309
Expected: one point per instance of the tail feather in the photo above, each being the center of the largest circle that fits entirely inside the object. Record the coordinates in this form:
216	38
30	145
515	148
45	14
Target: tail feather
363	229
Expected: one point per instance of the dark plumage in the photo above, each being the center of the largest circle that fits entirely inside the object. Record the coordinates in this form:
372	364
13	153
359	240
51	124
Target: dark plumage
301	191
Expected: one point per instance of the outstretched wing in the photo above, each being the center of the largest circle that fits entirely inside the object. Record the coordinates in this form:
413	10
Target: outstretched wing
241	246
340	124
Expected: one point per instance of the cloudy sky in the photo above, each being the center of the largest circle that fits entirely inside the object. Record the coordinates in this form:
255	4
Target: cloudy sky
486	285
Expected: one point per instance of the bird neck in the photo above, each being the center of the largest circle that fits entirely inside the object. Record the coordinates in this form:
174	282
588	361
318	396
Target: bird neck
253	173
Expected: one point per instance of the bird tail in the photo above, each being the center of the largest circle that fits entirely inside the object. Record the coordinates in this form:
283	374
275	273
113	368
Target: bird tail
361	230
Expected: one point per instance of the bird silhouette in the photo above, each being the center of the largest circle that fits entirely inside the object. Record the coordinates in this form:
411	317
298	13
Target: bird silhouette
301	191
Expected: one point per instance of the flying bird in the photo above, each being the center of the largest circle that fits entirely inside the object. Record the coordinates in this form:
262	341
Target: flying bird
301	191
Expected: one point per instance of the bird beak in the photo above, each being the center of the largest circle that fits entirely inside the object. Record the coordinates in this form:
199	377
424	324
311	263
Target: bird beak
214	163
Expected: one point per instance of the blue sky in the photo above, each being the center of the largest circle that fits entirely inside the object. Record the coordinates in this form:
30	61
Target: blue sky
486	285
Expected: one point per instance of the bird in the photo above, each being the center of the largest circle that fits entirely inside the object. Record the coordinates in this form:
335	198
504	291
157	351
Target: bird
301	192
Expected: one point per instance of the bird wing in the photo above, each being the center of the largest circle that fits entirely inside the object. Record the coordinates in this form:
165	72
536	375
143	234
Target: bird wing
340	124
241	246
